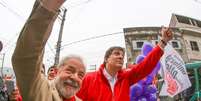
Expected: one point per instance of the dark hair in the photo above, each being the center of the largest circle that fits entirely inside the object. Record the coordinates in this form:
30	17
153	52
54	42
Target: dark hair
110	50
51	68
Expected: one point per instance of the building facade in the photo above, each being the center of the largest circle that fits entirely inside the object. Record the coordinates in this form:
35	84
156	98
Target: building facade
191	33
186	41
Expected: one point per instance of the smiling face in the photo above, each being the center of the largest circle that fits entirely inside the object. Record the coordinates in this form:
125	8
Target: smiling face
69	78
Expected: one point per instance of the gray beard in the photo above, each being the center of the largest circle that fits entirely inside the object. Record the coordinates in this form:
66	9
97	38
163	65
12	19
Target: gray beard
63	91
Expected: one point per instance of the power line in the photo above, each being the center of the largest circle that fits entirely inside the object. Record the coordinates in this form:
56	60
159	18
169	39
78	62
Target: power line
95	37
76	5
9	43
4	4
11	40
91	38
51	49
198	1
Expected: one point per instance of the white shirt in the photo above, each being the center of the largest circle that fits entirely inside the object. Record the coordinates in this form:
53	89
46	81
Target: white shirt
111	80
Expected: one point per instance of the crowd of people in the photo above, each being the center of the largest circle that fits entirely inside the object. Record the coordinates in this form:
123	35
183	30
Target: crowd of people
9	90
69	81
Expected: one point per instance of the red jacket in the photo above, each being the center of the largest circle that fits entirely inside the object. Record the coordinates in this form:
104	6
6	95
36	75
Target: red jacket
19	98
71	99
95	86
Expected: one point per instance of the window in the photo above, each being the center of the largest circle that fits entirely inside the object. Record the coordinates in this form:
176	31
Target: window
194	46
137	44
176	44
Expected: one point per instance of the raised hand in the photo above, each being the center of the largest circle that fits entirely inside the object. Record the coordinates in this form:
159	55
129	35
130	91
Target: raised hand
167	34
52	5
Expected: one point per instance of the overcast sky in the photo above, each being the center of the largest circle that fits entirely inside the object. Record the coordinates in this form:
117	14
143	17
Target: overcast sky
89	18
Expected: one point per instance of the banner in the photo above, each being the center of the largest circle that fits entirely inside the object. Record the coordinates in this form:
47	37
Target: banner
173	72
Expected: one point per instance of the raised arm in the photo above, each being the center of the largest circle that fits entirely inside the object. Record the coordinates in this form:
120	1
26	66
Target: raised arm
28	55
145	67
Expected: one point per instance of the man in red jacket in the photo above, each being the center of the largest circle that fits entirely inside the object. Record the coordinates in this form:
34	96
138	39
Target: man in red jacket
111	82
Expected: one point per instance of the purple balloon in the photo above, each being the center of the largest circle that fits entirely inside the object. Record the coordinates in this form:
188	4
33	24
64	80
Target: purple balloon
146	48
144	90
149	80
142	98
139	59
150	77
136	90
133	98
152	97
156	69
141	82
150	89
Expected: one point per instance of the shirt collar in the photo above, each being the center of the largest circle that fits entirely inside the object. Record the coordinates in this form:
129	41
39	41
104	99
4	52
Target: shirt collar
108	76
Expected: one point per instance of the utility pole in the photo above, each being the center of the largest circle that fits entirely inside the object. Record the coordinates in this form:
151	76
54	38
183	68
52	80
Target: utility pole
2	64
58	47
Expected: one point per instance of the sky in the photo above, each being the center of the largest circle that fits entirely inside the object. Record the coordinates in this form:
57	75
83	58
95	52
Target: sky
91	18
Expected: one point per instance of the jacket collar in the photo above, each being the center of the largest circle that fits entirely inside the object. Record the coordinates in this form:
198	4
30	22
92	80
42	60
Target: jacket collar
108	76
101	69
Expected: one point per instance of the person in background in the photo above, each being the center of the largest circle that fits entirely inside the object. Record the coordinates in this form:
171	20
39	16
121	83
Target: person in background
3	91
28	55
51	73
111	82
12	89
15	95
